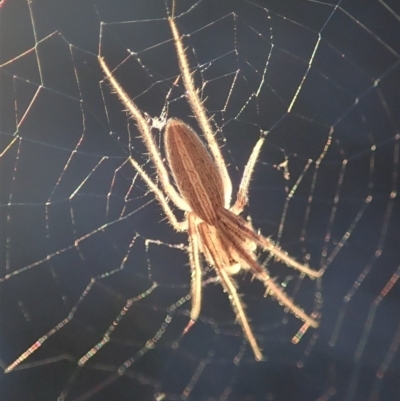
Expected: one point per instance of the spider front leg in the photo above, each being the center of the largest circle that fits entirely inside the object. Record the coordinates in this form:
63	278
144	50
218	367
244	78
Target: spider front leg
200	113
148	140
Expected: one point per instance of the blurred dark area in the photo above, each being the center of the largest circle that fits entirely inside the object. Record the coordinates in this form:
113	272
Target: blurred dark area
88	263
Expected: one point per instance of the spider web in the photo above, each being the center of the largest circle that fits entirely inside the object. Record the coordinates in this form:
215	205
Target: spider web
94	282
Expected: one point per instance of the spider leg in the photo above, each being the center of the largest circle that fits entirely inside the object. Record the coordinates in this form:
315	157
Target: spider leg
242	195
178	225
148	140
236	223
229	285
195	266
225	230
199	112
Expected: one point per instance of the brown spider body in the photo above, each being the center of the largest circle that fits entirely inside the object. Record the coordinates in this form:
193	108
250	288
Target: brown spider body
195	172
203	190
198	180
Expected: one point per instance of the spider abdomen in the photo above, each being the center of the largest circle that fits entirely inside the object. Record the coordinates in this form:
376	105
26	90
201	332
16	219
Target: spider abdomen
195	173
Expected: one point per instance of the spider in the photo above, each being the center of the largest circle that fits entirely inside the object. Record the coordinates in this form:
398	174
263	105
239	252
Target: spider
203	190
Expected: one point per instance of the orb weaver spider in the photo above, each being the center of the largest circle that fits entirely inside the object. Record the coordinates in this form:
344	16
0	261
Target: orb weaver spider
204	191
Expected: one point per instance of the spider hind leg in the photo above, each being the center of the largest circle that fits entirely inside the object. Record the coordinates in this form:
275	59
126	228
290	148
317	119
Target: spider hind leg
207	234
229	225
236	224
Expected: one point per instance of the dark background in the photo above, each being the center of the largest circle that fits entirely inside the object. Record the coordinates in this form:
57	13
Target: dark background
78	240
